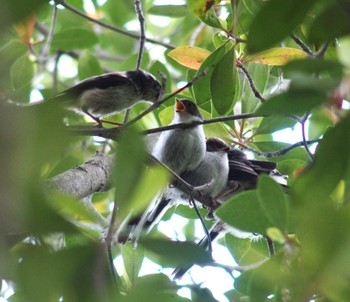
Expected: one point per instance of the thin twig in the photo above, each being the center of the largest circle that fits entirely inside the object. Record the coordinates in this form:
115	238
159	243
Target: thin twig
141	17
206	231
111	27
302	45
282	151
47	45
322	51
112	133
270	246
303	132
250	81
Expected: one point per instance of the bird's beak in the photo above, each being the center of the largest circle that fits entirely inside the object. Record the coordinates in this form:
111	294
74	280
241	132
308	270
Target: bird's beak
179	106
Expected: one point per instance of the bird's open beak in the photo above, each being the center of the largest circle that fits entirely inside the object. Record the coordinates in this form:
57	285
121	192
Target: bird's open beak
179	106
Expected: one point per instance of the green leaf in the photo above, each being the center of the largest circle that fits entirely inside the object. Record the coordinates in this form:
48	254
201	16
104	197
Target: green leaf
176	252
223	83
129	167
319	67
74	38
273	202
245	250
329	167
88	65
321	30
201	88
244	212
16	10
271	19
173	11
22	72
303	95
132	259
274	123
343	50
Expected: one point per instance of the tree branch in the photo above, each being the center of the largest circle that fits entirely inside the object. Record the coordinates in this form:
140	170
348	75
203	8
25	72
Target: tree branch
84	180
111	27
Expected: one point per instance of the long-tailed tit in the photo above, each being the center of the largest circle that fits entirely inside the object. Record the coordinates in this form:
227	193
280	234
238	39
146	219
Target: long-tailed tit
110	93
243	175
182	149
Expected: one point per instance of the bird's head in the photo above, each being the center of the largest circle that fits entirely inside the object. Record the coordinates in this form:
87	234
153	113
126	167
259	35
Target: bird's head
215	144
187	111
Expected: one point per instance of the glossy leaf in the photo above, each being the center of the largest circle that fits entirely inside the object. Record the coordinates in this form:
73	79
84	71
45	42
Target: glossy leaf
74	38
223	83
22	72
189	56
244	212
88	66
272	18
276	56
201	88
273	202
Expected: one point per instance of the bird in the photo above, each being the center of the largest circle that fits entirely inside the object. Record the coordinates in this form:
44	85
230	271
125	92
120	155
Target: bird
182	149
110	93
243	175
211	174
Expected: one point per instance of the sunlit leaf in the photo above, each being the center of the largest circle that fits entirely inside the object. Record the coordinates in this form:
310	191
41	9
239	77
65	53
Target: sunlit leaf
272	19
274	123
189	56
223	83
276	56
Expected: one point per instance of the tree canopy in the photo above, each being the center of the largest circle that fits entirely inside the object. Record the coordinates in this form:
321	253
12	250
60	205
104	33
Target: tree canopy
253	68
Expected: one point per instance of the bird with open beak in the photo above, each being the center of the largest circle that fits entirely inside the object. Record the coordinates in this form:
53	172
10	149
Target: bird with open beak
182	149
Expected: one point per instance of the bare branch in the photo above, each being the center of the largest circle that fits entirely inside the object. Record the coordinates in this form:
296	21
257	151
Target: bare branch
302	45
141	17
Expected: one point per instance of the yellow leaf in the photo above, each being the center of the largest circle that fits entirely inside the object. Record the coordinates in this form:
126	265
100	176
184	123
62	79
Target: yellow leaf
276	56
189	56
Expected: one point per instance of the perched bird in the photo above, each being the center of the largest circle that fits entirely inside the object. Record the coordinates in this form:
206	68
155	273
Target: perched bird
243	175
110	93
182	149
211	173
